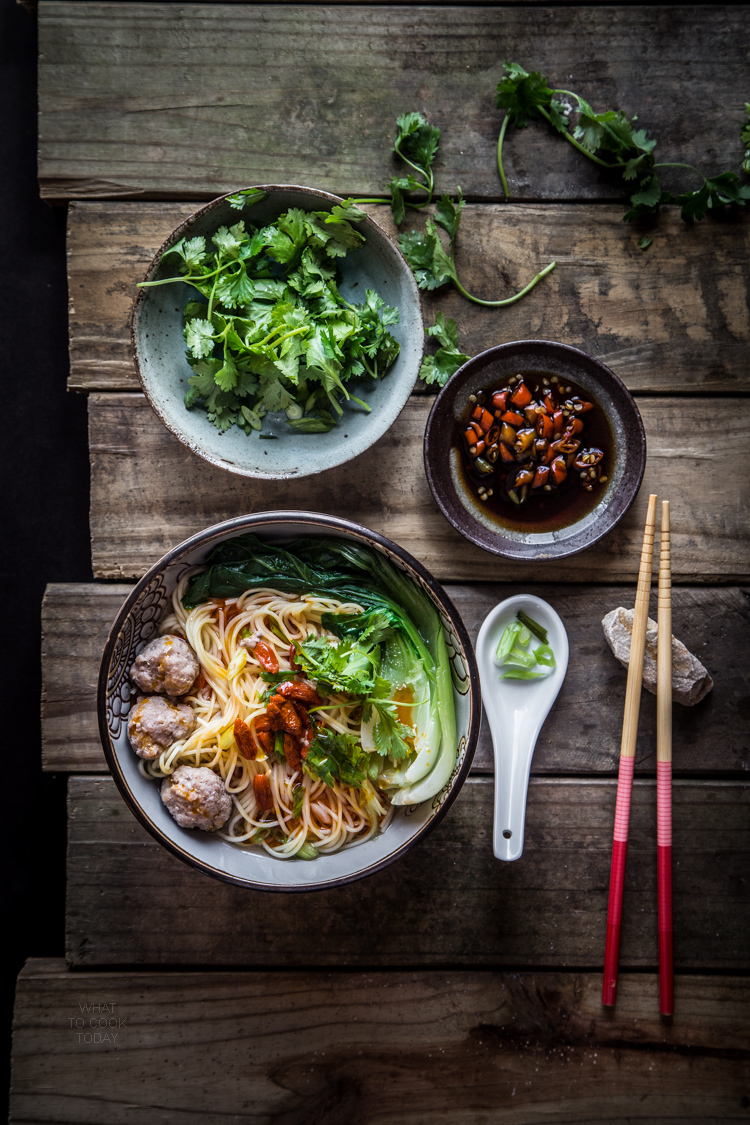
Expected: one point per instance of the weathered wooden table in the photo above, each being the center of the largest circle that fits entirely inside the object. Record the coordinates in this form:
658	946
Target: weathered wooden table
449	987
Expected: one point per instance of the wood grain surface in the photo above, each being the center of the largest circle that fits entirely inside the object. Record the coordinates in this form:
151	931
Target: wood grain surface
389	1048
674	318
582	733
190	100
149	492
448	902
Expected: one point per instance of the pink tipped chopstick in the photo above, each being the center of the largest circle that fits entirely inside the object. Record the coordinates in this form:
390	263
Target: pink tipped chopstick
664	767
627	758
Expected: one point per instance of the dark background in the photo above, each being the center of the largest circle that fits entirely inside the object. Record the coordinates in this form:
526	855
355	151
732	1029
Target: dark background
45	482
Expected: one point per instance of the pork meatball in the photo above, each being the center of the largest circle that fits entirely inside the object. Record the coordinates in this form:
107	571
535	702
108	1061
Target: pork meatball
196	798
166	664
156	722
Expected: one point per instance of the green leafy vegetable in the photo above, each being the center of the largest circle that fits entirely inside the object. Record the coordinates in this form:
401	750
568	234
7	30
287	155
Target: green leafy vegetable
271	331
433	266
246	198
333	756
391	736
439	367
345	666
611	140
416	143
645	242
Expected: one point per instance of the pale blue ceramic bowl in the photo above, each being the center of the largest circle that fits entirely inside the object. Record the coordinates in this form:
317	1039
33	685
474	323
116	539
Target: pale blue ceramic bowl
159	349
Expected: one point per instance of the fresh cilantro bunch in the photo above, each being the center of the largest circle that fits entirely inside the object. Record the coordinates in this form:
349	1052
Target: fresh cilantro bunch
611	140
269	330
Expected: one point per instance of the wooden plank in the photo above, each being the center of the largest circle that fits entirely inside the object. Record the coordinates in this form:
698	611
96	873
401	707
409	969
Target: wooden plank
388	1048
190	100
149	492
76	619
582	734
448	902
674	319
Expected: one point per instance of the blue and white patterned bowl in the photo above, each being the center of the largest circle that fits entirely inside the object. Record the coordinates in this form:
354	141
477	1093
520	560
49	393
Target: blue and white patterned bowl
136	624
159	349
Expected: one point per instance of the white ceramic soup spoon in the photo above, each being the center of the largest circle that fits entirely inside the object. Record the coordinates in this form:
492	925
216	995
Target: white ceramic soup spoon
516	710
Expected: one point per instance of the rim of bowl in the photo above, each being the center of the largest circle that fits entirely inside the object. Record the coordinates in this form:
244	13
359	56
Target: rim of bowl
500	545
141	295
330	523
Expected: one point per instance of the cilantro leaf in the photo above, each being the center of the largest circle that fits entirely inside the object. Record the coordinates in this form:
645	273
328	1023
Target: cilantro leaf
191	250
439	367
246	198
431	266
391	736
332	756
199	337
522	93
345	666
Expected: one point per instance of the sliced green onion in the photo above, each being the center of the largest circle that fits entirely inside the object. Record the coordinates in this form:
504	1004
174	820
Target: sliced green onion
524	636
278	744
293	411
535	627
520	659
544	655
508	639
523	674
308	851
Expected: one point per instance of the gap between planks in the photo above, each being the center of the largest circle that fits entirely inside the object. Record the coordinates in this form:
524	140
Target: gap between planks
301	1048
582	733
447	902
673	319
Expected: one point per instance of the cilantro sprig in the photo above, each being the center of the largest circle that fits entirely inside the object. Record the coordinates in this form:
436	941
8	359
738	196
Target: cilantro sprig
269	330
439	367
611	140
434	266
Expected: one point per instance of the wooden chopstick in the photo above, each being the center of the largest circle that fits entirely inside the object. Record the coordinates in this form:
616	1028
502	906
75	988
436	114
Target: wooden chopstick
664	767
627	758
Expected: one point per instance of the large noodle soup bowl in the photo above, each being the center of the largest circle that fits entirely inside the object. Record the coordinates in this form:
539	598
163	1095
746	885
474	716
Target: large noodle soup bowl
137	623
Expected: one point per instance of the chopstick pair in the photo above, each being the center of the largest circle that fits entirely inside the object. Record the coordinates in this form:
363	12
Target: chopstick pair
663	763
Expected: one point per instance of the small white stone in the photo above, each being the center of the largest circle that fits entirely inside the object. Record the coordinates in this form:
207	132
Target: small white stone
690	680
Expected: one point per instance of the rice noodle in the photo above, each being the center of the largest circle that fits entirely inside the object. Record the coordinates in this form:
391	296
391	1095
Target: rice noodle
330	818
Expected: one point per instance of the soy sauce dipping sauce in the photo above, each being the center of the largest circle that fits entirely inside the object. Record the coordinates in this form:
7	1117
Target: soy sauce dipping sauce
536	452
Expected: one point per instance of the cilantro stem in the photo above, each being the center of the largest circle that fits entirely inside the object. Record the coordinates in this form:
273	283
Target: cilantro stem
211	298
426	172
571	139
500	169
508	300
188	279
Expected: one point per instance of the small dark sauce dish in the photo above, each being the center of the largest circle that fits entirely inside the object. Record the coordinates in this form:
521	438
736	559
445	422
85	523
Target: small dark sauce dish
536	530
